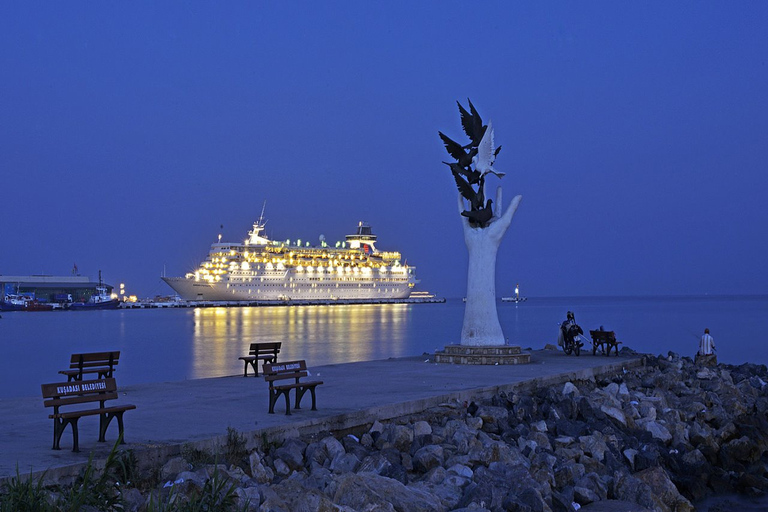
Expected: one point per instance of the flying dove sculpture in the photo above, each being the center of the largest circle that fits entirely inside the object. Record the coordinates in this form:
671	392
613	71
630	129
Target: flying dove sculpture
484	226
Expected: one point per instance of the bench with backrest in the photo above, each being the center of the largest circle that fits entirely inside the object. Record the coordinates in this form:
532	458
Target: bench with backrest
289	371
265	352
605	341
100	363
73	400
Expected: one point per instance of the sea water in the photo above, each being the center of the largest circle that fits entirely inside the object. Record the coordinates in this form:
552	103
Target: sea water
160	345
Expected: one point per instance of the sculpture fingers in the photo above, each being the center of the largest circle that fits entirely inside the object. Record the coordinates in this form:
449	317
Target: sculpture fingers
511	209
500	225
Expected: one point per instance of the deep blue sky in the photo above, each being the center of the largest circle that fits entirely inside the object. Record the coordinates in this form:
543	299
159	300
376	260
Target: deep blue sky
637	133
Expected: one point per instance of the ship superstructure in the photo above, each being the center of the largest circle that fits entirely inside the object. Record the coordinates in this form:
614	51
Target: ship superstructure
260	269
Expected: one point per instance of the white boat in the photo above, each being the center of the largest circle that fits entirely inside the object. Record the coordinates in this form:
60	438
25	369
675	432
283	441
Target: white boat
260	269
99	300
517	298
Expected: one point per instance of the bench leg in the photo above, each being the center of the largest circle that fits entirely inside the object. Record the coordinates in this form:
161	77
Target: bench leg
58	430
274	395
263	362
300	394
105	420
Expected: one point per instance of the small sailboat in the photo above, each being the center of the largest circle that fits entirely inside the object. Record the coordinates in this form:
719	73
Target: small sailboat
517	298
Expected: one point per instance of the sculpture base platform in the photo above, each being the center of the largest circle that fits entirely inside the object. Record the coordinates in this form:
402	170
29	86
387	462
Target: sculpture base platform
490	354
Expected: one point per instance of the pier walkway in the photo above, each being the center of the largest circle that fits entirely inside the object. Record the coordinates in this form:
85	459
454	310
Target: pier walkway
172	414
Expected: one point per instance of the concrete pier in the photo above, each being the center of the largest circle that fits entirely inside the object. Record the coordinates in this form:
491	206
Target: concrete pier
170	415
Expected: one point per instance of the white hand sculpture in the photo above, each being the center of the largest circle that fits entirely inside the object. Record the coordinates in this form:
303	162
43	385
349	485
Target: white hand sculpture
481	320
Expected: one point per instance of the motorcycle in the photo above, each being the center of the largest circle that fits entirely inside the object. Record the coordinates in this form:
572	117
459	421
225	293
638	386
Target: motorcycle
570	337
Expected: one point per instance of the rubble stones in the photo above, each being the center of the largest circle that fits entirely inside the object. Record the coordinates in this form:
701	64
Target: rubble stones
660	437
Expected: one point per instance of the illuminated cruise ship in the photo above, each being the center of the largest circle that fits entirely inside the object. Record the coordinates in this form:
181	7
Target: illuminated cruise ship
260	269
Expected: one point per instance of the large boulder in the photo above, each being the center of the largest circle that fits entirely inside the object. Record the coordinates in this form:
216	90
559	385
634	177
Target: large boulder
666	497
374	492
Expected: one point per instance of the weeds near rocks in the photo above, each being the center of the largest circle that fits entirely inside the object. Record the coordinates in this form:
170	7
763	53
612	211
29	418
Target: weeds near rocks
235	451
218	494
99	489
93	488
198	458
24	495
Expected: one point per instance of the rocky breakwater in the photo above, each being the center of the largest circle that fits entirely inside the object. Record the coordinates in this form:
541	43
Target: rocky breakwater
659	437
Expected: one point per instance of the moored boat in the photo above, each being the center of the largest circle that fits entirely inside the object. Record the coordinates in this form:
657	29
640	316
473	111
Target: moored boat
99	300
14	303
35	305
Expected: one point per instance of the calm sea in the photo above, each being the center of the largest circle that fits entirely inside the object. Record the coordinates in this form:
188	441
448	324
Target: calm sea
175	344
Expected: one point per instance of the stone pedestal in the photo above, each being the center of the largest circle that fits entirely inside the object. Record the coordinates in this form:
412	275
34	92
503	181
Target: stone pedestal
494	354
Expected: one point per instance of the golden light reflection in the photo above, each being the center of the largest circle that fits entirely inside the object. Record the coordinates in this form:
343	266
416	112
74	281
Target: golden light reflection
318	334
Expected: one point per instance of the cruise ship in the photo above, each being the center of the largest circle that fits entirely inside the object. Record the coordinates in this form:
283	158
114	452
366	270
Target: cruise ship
260	269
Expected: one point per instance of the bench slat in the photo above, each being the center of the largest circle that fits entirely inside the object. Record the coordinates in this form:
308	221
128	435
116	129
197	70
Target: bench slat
92	362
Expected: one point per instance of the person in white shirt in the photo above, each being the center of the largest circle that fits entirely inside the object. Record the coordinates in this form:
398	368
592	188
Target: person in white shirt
706	354
706	344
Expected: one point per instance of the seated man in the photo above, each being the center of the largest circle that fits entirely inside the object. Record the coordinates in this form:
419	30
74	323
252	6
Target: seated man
706	354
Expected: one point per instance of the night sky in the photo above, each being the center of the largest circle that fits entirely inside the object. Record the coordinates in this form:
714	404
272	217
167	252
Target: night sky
636	132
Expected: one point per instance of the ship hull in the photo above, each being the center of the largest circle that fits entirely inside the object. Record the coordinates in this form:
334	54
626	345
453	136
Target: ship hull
285	290
87	306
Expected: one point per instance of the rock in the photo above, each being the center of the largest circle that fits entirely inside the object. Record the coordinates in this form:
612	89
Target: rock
594	446
345	463
462	471
658	431
333	447
248	498
584	496
666	497
299	498
742	450
614	505
281	468
421	428
630	454
615	413
375	492
259	472
173	467
570	389
494	418
292	454
132	499
375	463
528	500
429	457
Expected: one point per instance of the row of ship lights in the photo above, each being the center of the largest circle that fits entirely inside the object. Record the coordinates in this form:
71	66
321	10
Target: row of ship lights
220	263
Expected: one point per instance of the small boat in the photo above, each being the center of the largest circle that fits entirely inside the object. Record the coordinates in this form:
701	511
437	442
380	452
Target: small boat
99	300
517	298
14	303
35	305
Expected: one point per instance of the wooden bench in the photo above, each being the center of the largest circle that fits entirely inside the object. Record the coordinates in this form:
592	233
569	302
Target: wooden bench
80	394
266	352
291	370
101	363
605	341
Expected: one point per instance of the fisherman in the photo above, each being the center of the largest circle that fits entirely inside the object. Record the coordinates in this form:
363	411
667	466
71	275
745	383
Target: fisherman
706	354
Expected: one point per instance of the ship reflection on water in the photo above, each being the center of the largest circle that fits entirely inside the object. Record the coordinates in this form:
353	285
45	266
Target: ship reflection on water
318	334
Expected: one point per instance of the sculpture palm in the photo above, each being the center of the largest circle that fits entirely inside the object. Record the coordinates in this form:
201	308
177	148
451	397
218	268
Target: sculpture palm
481	320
